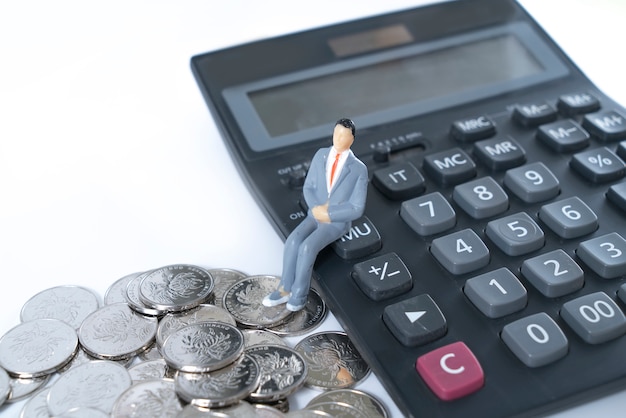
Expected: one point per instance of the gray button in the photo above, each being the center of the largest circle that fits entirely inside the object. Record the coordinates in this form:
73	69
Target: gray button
515	234
536	340
382	277
554	274
532	183
428	214
415	321
596	318
497	293
460	252
481	198
605	255
569	218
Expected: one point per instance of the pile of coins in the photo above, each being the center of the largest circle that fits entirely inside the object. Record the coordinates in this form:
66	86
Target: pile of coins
178	341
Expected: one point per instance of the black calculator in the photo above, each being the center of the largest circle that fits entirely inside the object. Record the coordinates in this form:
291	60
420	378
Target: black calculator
487	276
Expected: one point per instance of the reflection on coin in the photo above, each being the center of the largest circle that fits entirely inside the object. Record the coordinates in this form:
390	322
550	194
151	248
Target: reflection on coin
150	370
95	384
203	347
36	406
222	387
83	413
224	279
115	332
23	387
5	386
70	304
151	353
133	300
260	337
283	371
244	302
203	313
362	401
333	361
305	320
38	347
339	410
265	411
117	291
176	288
309	413
150	398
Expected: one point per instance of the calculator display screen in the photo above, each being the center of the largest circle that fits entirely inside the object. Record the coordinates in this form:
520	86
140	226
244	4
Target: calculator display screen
305	104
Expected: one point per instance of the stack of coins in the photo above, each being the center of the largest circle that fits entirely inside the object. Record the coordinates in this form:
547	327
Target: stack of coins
178	341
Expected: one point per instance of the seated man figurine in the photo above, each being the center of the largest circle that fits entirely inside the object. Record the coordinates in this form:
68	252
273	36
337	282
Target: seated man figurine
335	190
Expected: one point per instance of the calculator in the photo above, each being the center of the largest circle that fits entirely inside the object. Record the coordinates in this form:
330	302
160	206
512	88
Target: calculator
487	276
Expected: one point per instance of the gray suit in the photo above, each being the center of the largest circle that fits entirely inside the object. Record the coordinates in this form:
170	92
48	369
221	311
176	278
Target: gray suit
346	203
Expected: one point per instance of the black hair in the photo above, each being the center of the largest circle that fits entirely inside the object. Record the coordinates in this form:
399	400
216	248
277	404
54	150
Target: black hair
347	123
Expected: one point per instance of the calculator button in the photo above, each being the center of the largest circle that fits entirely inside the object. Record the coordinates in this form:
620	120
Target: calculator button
481	198
534	114
621	150
362	239
607	125
598	165
429	214
596	318
577	103
500	154
563	136
532	183
382	277
400	181
450	167
451	371
460	252
569	218
536	340
605	255
554	274
515	234
617	195
497	293
469	130
415	321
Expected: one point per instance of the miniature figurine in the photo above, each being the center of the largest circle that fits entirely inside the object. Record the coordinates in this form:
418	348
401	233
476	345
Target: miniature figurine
335	190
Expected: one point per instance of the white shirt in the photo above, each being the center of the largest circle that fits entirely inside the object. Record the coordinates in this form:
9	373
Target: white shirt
329	166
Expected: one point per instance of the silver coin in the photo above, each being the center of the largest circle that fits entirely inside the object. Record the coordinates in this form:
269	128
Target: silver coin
308	413
204	313
281	405
116	332
362	401
244	302
24	387
151	353
339	410
203	347
283	371
266	411
150	398
222	387
38	347
151	370
70	304
134	301
224	279
5	386
260	337
95	384
83	412
36	406
116	293
239	410
305	320
176	288
333	361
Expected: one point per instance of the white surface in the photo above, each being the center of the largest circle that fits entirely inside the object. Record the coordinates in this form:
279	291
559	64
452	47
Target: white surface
110	162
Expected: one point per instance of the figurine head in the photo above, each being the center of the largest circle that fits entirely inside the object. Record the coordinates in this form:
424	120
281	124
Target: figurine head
343	135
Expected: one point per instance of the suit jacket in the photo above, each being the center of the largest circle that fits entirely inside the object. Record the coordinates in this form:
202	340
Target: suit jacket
346	201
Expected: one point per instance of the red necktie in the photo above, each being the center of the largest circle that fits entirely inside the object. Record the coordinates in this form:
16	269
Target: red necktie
334	168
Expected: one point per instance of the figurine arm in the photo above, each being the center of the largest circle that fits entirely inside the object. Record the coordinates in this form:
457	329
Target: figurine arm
353	207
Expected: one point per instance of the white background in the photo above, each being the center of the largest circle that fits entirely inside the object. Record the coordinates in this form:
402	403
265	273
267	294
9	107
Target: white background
111	164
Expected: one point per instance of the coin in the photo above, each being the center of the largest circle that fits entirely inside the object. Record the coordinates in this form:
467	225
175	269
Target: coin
239	410
265	411
305	320
117	291
362	401
333	361
244	302
83	412
115	332
203	313
5	386
283	371
339	410
176	288
222	387
203	347
36	406
309	413
24	387
224	279
133	300
95	384
38	347
70	304
150	370
150	398
260	337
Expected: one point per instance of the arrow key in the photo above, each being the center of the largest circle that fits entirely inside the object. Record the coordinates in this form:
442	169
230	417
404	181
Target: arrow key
415	321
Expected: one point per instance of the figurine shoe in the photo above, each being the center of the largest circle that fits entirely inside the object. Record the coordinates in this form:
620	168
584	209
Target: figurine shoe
276	298
295	306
